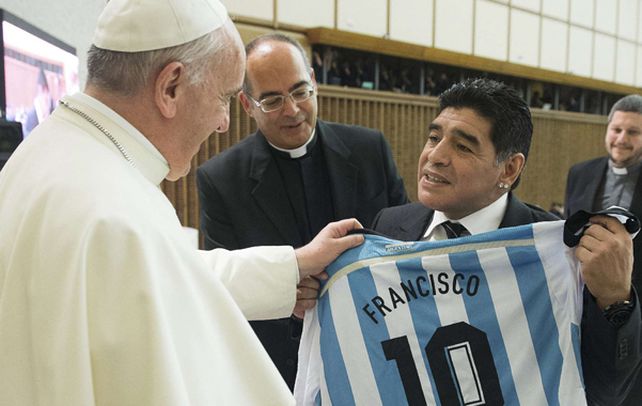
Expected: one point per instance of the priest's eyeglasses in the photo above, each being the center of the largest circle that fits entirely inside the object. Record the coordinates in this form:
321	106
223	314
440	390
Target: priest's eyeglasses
273	103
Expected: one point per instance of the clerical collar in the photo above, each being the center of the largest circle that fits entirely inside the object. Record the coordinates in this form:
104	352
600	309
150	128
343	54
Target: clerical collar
627	170
300	151
481	221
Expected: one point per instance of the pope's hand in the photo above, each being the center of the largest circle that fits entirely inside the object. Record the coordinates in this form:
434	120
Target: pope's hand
326	247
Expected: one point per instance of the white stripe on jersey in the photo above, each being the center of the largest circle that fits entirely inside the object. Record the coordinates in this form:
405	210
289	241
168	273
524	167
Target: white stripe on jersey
557	264
451	309
399	326
514	327
352	343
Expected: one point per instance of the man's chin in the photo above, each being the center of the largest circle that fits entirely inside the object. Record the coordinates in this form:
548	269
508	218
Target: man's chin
623	162
301	133
429	201
295	140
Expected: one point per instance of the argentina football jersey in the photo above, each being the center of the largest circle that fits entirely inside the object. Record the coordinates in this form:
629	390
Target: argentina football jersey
487	319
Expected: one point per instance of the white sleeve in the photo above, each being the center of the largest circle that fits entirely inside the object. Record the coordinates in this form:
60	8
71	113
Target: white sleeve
161	327
310	367
262	280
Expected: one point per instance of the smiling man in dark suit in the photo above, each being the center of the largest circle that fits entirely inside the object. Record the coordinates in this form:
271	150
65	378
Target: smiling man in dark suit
475	152
285	182
614	180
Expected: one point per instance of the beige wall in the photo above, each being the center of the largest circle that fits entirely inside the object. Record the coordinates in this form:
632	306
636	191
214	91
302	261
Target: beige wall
600	39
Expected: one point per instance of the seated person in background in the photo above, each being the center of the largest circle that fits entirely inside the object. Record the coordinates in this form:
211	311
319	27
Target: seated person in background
475	152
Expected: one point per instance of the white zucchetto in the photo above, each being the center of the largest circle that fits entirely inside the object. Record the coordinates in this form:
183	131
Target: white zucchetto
146	25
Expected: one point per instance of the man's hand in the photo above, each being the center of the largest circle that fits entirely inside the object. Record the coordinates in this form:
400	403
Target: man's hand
606	254
326	246
307	293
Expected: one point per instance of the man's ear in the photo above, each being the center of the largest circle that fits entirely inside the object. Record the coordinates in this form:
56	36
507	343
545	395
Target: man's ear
245	102
170	85
513	166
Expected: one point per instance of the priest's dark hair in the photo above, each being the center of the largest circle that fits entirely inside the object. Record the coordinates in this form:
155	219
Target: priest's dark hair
272	37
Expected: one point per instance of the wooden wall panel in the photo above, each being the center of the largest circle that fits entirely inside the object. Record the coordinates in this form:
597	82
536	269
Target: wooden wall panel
559	140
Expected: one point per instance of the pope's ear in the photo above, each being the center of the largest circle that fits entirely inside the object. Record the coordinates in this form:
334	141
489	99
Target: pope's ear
169	86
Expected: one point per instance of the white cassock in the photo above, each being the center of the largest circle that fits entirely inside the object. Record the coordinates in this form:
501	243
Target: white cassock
104	301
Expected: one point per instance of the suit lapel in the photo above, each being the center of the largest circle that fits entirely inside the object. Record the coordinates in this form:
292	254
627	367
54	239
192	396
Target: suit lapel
269	192
517	213
413	224
591	189
636	202
589	193
342	174
414	229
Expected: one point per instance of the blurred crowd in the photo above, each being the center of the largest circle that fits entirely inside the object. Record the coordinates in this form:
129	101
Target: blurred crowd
350	68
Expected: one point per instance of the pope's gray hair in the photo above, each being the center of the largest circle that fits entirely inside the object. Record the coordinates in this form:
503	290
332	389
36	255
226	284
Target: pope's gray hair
126	73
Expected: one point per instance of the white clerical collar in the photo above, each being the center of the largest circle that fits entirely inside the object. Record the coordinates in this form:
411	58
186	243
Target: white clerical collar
616	170
486	219
631	169
144	154
296	152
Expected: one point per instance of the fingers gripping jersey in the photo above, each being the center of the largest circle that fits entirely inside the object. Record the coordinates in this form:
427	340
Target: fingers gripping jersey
487	319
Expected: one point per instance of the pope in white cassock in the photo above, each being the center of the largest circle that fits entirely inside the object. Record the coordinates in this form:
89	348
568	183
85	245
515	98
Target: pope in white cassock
102	298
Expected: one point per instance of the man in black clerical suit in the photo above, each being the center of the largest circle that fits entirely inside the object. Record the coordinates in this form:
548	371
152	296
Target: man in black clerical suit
282	184
475	152
614	180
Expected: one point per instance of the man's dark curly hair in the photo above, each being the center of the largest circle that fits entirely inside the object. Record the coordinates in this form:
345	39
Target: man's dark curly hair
508	113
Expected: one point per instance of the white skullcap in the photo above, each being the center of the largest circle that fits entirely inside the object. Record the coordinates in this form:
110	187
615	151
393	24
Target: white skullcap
145	25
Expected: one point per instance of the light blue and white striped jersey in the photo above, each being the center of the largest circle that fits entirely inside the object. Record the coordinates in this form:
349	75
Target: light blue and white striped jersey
491	319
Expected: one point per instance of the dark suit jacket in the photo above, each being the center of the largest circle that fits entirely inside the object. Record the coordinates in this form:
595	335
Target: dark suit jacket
610	357
244	203
582	186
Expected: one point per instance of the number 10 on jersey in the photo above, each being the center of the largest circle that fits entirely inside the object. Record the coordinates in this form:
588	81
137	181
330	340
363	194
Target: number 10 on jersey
461	363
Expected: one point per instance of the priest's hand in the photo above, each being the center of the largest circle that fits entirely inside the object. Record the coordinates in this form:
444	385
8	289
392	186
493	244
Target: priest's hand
307	293
606	254
326	247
